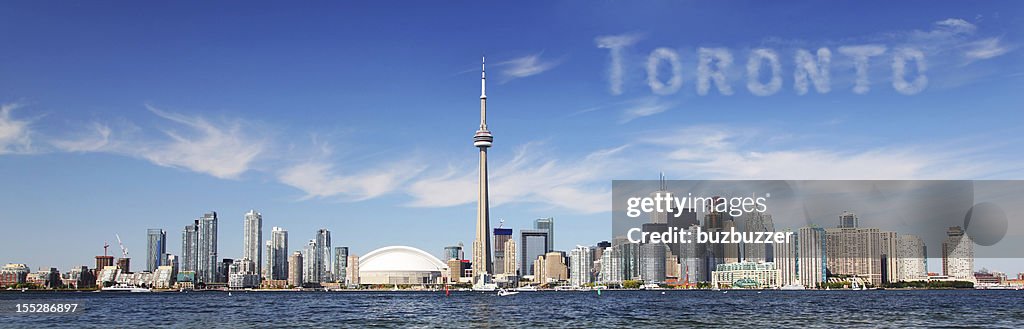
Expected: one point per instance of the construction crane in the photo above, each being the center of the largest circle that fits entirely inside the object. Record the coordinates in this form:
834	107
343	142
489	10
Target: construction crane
124	251
105	246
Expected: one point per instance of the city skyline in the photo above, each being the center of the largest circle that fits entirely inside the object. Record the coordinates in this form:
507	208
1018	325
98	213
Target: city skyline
120	130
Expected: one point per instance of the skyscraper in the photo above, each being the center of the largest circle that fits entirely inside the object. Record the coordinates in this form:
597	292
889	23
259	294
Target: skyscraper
848	220
501	235
533	244
580	262
323	244
317	258
453	252
758	222
295	269
253	241
547	224
277	254
510	258
913	260
482	140
206	255
958	255
855	251
340	263
190	247
611	266
157	248
811	257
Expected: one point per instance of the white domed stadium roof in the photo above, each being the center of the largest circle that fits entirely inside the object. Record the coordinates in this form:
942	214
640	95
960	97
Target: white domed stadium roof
400	259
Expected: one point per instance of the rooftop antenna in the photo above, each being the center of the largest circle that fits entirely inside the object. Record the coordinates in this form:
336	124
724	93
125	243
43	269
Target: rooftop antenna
105	246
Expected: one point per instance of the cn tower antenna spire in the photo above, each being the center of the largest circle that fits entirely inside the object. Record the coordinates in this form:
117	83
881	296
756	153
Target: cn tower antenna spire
482	140
483	93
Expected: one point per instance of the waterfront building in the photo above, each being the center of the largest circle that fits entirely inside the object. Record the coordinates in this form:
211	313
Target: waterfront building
555	267
340	264
77	278
652	262
746	275
165	277
758	222
958	255
580	260
501	235
482	140
848	220
242	274
252	241
913	258
547	224
103	261
317	258
353	270
12	274
400	265
125	264
157	247
811	256
611	267
854	251
786	258
453	252
888	245
223	271
533	243
206	253
277	254
190	247
511	262
455	270
310	274
295	267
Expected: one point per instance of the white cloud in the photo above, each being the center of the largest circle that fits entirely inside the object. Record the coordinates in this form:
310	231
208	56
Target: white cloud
531	176
318	179
526	66
985	49
97	140
222	150
715	153
642	108
15	135
956	25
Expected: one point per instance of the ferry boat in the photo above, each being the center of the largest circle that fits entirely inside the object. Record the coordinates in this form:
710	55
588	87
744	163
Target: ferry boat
123	288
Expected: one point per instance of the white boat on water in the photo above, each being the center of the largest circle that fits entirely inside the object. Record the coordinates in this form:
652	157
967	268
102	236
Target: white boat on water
527	288
122	288
503	292
792	286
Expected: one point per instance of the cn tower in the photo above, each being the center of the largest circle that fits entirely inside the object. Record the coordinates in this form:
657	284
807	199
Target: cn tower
482	140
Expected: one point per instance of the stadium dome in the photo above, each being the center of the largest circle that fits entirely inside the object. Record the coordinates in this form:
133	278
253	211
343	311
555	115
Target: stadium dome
400	265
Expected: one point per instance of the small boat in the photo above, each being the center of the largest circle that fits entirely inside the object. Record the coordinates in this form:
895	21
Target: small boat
503	292
793	286
527	288
124	288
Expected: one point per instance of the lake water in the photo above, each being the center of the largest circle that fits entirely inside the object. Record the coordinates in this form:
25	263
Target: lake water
889	308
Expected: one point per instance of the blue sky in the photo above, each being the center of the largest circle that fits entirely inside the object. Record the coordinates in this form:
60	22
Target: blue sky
118	117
